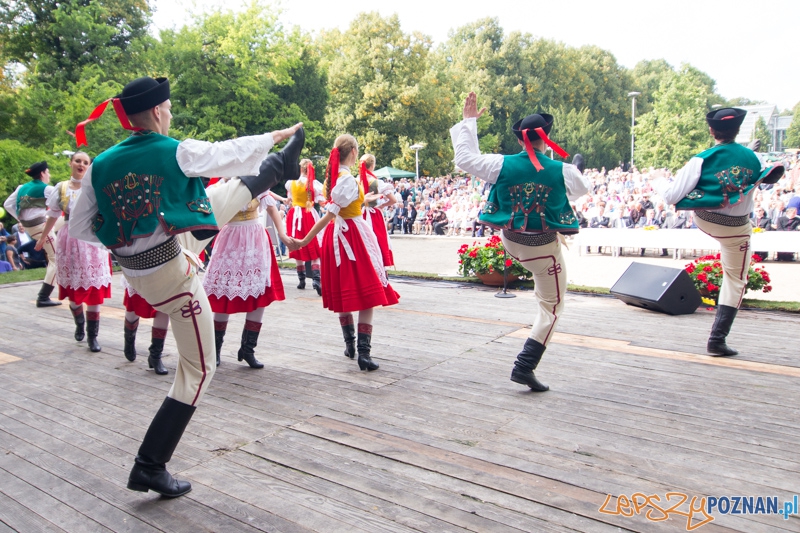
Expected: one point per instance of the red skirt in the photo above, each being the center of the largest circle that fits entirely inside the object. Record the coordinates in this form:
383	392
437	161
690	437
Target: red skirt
311	251
379	228
90	296
273	293
353	285
134	303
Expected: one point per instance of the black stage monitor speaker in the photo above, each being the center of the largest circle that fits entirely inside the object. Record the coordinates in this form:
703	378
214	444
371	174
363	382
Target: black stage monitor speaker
669	290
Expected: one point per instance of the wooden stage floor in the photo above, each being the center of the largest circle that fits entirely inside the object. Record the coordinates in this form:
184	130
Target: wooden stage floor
437	440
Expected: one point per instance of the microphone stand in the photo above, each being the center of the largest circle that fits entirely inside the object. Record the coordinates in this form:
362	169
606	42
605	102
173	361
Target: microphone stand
504	293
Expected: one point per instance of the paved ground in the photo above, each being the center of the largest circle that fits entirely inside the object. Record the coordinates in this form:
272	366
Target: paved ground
437	440
438	255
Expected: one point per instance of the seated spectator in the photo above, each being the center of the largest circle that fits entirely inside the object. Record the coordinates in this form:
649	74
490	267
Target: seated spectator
599	221
30	257
5	266
4	234
788	222
439	221
12	255
761	220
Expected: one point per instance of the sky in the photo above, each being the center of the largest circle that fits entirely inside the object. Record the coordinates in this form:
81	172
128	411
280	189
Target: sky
744	45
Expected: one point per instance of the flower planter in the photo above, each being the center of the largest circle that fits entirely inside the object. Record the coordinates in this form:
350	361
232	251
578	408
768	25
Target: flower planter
492	279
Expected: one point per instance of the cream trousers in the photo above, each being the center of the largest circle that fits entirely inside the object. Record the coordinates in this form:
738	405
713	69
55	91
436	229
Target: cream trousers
49	249
735	258
546	263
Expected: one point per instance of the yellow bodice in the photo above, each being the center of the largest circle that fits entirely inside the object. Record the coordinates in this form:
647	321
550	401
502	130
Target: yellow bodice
301	196
354	209
249	212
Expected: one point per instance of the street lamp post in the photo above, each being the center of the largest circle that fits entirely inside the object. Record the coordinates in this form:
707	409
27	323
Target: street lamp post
633	95
417	147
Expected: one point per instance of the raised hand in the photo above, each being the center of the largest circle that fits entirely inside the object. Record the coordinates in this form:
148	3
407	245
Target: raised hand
471	107
281	135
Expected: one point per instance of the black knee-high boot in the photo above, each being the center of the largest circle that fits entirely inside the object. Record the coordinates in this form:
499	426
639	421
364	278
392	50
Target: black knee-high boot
92	329
149	471
249	343
43	300
80	322
219	334
130	339
349	333
156	348
527	361
719	331
315	279
364	347
301	275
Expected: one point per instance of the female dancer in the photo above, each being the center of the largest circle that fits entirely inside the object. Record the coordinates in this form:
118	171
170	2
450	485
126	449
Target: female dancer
136	307
373	211
243	275
354	278
83	270
305	192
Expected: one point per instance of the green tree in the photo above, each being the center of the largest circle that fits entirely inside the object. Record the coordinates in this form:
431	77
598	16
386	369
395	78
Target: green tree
232	74
576	133
761	133
675	130
384	91
55	40
792	139
646	78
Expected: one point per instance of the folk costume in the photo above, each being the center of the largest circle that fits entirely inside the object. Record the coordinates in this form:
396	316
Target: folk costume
243	276
83	270
139	196
719	184
136	307
373	214
353	275
305	192
529	202
28	204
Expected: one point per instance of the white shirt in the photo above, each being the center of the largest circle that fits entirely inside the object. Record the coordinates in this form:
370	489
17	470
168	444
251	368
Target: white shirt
488	166
236	157
686	181
31	212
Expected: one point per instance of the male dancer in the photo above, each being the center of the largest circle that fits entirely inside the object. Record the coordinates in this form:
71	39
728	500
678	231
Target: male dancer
28	205
138	196
719	185
530	203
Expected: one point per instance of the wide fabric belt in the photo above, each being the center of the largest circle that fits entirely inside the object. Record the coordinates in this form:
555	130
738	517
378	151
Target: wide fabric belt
33	222
722	220
156	256
530	239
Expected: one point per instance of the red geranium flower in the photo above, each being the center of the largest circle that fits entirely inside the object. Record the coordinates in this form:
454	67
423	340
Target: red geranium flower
768	288
707	268
473	253
757	258
509	262
702	277
711	287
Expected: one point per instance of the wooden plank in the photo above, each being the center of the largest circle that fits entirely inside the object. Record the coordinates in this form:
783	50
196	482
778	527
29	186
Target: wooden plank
6	358
17	517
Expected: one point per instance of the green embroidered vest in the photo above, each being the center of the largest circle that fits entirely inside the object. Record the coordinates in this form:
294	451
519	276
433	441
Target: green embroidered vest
30	195
730	172
139	186
530	201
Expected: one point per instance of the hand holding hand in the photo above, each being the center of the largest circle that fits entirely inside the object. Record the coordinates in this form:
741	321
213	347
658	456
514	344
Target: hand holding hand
471	107
281	135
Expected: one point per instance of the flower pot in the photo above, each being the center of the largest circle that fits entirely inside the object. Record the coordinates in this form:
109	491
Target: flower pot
492	279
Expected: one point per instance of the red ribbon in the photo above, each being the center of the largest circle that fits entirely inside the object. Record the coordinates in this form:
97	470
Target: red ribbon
80	133
310	179
333	169
362	172
529	148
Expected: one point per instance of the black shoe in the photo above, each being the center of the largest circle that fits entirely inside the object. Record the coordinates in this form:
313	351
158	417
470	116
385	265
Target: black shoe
43	300
363	345
278	167
301	275
219	335
719	331
349	333
130	339
149	471
92	329
154	360
80	323
527	361
577	160
247	351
